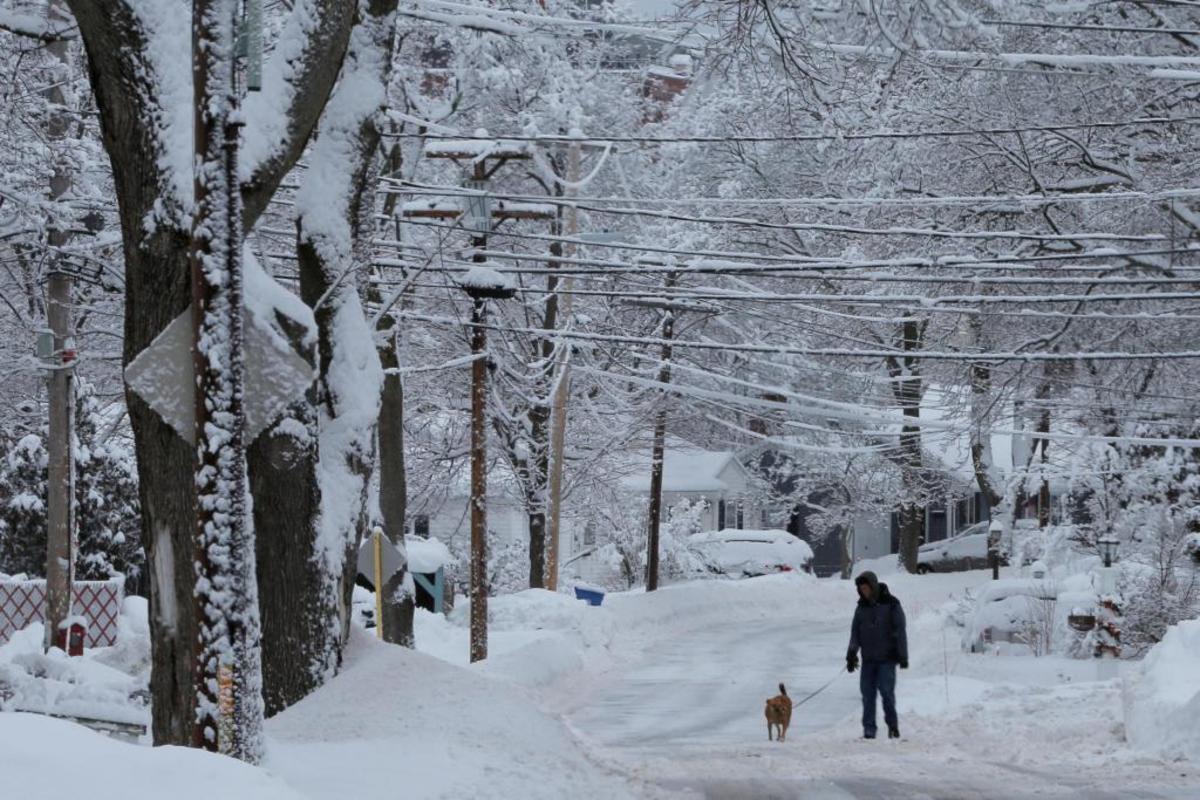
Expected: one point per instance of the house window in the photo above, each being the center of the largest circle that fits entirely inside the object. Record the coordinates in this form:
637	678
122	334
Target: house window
421	526
720	515
741	515
589	534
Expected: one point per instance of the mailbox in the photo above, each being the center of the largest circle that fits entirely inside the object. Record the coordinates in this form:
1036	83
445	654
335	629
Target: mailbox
70	637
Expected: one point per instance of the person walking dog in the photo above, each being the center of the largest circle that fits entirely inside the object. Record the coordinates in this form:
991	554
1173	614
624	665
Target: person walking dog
878	631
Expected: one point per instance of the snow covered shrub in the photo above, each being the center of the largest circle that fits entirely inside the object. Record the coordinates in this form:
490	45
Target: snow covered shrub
508	567
108	513
677	559
1149	497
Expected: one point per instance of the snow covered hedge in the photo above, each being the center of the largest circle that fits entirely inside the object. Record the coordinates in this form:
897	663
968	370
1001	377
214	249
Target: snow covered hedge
1162	697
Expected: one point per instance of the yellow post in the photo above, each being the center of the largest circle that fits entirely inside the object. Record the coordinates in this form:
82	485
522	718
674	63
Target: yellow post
378	534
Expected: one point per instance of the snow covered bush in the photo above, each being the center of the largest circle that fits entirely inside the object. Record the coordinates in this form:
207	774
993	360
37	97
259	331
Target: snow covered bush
1162	696
508	567
1149	497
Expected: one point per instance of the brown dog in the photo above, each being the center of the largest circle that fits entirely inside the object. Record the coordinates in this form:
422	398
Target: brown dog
779	714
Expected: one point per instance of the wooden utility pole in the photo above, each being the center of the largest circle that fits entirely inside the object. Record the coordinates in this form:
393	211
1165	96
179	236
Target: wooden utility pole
60	516
562	387
227	665
656	464
480	291
478	217
60	489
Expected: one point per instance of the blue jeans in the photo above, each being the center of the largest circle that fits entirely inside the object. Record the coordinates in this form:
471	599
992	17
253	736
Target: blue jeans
878	676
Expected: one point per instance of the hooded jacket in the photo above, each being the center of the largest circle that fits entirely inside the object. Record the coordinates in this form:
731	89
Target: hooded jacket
878	626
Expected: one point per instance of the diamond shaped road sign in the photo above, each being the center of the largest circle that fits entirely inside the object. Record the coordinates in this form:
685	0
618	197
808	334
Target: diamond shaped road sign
276	373
389	556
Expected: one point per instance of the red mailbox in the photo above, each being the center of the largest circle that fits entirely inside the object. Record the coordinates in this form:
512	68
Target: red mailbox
70	636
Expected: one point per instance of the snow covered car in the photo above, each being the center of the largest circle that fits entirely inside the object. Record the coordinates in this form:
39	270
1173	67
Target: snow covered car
748	553
967	550
1018	610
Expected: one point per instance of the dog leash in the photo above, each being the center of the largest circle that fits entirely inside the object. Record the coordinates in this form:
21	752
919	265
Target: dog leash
827	684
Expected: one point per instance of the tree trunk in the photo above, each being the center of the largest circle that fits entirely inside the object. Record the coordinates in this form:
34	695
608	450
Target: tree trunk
907	388
283	482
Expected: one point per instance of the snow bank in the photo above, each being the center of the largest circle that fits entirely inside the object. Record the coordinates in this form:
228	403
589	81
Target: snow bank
42	758
1162	696
395	720
106	683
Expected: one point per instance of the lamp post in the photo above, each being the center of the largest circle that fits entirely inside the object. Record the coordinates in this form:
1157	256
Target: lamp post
1108	614
993	542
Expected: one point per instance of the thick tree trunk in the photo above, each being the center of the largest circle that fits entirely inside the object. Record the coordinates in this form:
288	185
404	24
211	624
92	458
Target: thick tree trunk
156	291
123	78
283	481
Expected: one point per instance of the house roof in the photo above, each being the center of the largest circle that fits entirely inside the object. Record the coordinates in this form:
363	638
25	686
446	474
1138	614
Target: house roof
686	468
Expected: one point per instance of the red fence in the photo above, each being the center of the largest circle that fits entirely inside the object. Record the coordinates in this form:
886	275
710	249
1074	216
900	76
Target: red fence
99	602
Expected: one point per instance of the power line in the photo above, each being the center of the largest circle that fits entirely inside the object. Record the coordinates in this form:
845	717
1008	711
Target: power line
934	355
787	263
1078	26
829	228
1031	200
783	298
455	265
805	137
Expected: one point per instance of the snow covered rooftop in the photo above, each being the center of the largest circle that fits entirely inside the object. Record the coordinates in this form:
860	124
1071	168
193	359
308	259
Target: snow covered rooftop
686	468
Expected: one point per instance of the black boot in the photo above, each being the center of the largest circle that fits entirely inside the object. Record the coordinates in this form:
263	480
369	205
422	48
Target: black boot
868	735
894	732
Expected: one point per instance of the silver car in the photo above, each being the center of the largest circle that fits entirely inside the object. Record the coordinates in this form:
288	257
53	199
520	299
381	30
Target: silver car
966	550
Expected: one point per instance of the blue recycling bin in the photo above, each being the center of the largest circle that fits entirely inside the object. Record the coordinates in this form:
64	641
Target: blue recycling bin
593	596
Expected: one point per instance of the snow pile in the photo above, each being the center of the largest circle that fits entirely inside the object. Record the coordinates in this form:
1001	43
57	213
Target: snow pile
42	758
1162	696
398	720
106	683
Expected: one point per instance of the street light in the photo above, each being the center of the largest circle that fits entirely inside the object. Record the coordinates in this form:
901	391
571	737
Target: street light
1108	548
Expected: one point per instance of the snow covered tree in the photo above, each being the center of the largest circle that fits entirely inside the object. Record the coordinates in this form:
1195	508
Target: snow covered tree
106	500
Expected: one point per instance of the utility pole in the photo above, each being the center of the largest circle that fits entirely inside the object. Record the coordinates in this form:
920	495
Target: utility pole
656	464
562	387
669	310
481	285
227	661
60	489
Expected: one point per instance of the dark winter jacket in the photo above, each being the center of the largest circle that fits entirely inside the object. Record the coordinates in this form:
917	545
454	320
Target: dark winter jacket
878	626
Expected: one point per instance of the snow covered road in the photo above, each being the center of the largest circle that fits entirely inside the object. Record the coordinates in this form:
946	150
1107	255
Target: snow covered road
686	714
708	686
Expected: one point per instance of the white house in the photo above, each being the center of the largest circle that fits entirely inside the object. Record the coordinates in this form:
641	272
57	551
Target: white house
715	477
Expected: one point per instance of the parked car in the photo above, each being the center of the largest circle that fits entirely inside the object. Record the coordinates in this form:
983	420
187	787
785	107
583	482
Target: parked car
748	553
967	550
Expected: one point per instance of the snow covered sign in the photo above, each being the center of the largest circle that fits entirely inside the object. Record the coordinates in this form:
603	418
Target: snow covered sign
277	359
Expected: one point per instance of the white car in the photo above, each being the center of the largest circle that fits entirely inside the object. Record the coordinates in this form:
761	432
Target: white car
747	553
967	550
